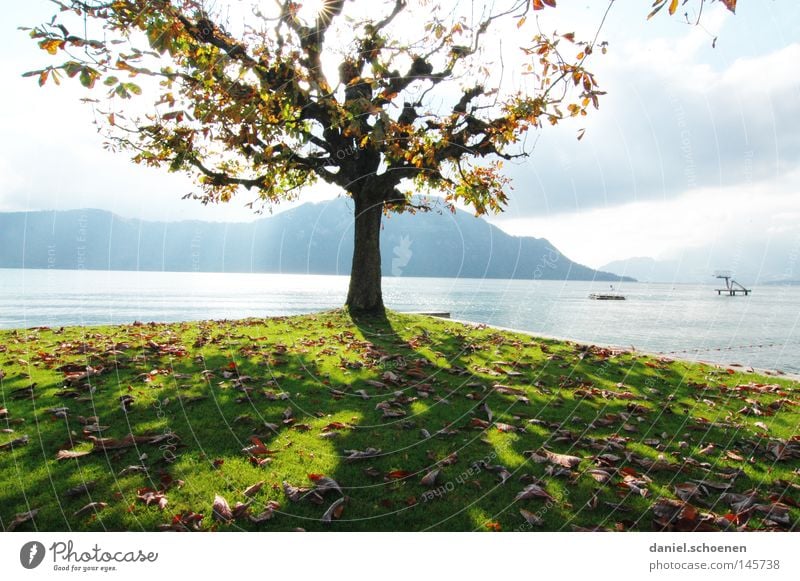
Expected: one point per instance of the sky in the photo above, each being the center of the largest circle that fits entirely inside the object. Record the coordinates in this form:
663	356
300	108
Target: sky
694	147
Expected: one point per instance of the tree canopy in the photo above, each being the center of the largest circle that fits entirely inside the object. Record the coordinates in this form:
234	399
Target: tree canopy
383	99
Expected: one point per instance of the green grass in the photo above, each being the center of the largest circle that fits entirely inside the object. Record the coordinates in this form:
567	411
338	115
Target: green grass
207	388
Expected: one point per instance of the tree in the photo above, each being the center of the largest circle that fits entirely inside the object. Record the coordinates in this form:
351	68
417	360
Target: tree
417	105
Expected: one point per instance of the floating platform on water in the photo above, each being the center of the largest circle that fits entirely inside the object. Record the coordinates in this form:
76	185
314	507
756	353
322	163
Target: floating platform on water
607	297
732	288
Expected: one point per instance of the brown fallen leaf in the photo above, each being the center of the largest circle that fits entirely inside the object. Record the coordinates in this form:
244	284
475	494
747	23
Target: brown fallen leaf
478	423
561	459
353	455
599	475
253	490
21	441
91	507
133	469
67	454
80	489
334	510
776	512
430	478
294	493
150	496
687	491
258	448
533	491
532	519
267	514
184	521
707	449
220	510
21	518
241	509
323	484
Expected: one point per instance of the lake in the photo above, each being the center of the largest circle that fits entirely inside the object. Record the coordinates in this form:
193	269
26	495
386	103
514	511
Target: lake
761	330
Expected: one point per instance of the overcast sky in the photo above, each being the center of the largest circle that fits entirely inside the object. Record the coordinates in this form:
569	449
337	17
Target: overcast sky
693	145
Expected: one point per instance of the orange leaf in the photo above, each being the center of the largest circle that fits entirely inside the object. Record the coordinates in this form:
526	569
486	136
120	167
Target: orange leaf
540	4
398	474
493	526
730	5
673	6
734	518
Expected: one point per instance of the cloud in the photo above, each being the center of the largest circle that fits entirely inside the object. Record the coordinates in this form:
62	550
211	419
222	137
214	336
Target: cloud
726	223
669	125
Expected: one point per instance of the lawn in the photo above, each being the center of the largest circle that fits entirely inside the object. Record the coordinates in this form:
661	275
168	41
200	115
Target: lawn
322	422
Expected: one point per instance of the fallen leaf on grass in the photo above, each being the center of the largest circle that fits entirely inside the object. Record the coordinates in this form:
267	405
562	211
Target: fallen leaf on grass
398	474
241	509
184	522
334	510
353	455
21	518
533	491
253	490
133	469
220	510
80	489
561	459
430	478
687	491
130	440
91	507
266	514
294	493
257	448
479	423
600	476
68	454
324	484
531	518
21	441
150	496
501	471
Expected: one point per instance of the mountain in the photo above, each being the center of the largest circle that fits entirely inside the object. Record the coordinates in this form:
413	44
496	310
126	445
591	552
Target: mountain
312	238
646	269
757	262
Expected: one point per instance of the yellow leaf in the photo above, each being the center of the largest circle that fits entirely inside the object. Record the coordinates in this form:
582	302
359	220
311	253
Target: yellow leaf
521	22
673	6
51	45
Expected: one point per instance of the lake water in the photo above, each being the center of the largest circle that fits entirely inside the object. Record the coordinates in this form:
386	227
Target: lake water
761	330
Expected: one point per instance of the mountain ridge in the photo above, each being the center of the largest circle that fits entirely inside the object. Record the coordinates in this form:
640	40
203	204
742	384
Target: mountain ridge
313	238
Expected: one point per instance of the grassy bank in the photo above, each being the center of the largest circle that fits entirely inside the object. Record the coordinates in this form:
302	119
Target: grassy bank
410	423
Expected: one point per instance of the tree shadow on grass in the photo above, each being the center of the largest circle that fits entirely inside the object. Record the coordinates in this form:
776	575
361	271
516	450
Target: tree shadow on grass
312	400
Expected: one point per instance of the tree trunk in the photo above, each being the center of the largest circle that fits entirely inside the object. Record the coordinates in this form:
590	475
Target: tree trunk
364	294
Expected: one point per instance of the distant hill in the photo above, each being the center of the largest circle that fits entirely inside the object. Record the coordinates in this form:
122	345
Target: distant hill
757	262
312	238
645	269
